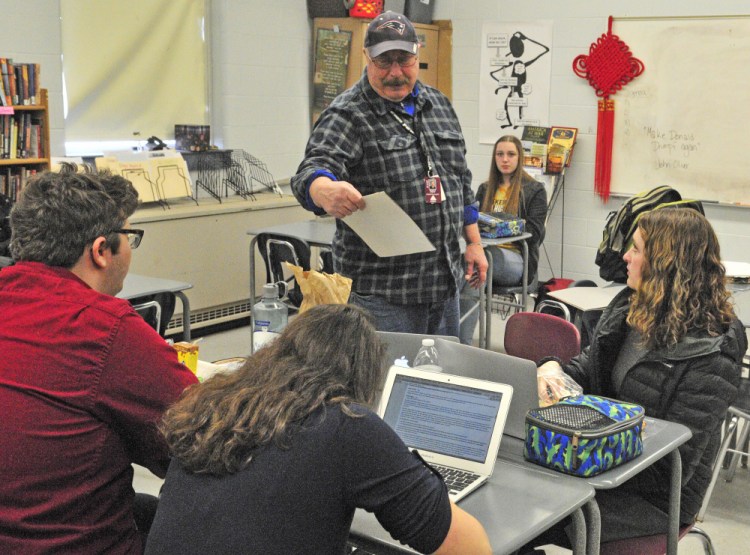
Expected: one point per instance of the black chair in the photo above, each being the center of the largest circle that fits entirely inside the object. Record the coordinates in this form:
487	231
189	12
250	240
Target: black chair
558	308
738	413
157	310
275	249
585	321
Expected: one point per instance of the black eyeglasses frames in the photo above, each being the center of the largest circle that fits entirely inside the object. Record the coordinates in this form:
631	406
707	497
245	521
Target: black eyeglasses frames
135	236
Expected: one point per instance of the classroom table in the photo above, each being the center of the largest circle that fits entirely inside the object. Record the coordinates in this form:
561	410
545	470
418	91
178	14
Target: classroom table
517	504
597	298
137	286
741	299
485	298
660	438
587	298
317	233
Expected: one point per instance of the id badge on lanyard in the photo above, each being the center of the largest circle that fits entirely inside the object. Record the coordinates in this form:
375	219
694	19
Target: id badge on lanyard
433	187
433	190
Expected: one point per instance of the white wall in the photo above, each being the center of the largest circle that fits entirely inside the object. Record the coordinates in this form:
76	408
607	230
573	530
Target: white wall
261	52
261	79
577	23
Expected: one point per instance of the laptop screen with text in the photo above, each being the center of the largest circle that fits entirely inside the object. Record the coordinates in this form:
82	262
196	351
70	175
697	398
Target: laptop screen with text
450	419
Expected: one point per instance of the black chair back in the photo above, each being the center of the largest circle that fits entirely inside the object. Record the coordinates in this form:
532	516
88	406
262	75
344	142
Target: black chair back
275	249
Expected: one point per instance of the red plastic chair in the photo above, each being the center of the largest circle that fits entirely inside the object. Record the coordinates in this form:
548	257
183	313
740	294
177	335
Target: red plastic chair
534	335
654	545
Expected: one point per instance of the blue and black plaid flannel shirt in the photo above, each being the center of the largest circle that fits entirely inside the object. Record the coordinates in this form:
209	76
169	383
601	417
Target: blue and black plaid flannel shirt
358	141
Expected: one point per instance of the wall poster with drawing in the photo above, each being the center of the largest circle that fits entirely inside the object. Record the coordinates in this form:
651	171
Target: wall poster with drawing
330	66
514	77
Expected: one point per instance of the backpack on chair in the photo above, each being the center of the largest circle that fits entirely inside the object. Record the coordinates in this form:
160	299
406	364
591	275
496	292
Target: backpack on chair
617	236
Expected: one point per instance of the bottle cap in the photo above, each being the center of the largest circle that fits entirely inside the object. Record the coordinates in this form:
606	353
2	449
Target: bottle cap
428	342
270	291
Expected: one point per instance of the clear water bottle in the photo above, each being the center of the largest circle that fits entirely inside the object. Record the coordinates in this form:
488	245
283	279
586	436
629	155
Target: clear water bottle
270	316
427	357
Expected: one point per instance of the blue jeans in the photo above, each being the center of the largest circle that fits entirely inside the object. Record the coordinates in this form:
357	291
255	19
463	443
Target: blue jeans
438	318
507	270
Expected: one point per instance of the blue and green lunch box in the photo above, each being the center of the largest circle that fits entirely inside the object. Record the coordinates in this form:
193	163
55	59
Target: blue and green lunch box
584	435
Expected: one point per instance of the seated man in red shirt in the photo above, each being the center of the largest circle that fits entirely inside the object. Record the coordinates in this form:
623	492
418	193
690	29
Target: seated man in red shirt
83	379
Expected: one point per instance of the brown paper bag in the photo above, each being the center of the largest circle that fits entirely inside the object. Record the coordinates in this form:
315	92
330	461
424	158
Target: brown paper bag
320	288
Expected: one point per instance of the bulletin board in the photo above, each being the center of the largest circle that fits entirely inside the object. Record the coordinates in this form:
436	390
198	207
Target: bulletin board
684	122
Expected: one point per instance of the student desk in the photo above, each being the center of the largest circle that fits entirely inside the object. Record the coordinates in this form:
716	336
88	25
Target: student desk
485	300
587	298
518	503
660	438
741	297
317	233
136	286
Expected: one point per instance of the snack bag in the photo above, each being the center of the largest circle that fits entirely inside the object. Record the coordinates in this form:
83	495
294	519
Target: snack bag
553	384
320	287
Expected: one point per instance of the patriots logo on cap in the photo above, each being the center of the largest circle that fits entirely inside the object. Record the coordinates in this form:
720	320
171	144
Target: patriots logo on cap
398	26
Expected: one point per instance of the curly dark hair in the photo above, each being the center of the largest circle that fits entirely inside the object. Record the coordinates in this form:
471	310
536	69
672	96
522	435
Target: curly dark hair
59	213
682	279
328	355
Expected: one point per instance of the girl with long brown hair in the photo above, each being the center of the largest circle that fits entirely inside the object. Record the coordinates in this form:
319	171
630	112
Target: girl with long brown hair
670	341
509	192
276	457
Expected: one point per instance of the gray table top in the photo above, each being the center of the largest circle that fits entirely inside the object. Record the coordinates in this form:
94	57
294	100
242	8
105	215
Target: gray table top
660	438
487	242
315	232
141	286
516	505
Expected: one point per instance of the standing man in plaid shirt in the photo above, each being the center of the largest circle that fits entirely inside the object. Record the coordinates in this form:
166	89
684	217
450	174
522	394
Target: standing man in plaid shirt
391	133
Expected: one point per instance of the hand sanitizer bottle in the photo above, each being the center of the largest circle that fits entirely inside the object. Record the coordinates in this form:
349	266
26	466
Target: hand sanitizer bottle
270	316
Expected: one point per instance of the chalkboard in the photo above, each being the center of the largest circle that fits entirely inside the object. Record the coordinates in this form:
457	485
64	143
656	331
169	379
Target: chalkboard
684	122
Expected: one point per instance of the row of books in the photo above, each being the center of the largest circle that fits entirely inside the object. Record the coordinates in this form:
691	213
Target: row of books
549	148
19	84
13	179
21	136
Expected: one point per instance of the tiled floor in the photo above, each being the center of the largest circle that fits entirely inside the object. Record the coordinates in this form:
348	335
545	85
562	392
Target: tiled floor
727	520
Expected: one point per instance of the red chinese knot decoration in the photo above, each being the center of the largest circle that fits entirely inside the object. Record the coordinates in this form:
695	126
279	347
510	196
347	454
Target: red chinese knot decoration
608	67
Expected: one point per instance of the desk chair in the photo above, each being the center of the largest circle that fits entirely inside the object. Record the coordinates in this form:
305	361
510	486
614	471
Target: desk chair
584	321
513	297
151	312
655	545
736	414
533	336
275	249
559	308
157	310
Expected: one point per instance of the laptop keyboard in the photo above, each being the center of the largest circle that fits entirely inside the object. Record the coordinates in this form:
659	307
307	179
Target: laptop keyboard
456	480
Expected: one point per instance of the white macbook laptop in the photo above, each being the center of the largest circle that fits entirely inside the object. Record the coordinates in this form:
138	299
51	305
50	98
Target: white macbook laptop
454	423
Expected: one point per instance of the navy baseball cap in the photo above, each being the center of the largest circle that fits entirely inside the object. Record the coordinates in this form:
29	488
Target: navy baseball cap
390	31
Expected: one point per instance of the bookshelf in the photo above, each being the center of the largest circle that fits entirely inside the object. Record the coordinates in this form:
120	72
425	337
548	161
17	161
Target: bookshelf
15	169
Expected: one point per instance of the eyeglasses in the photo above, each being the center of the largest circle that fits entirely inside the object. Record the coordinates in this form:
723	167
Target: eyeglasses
385	62
134	236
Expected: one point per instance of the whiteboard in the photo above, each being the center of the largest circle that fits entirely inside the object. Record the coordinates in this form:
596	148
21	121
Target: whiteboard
684	122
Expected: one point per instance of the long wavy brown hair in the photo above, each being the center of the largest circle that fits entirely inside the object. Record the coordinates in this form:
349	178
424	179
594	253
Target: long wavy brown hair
495	180
682	279
328	355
